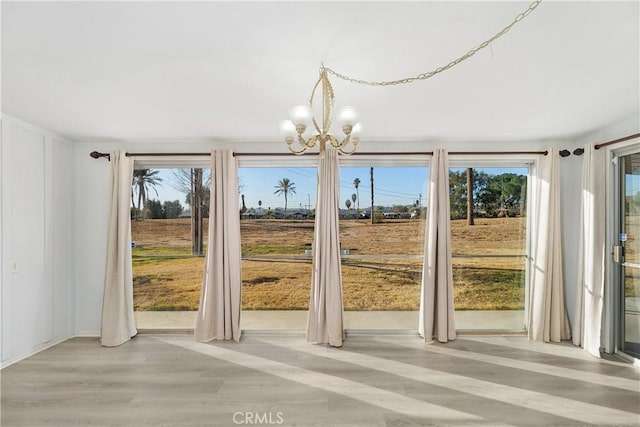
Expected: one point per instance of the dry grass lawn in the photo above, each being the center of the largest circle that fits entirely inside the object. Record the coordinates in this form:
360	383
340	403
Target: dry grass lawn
276	272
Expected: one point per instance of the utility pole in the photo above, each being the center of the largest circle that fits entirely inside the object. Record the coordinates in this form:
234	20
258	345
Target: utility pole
372	212
470	196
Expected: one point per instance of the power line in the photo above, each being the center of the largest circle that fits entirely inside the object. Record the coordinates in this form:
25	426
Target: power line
384	192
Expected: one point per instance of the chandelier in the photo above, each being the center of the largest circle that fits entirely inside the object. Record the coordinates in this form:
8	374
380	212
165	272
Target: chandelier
301	119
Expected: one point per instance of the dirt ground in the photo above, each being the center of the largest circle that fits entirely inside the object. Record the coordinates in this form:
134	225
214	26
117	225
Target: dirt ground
381	272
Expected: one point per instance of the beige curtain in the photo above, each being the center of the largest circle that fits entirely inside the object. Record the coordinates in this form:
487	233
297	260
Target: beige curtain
547	313
118	323
436	299
591	252
325	305
220	301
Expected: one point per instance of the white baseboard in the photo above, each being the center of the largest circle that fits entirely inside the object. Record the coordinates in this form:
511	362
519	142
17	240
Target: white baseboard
87	334
38	349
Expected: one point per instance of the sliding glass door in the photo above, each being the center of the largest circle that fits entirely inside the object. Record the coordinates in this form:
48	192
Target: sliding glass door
628	253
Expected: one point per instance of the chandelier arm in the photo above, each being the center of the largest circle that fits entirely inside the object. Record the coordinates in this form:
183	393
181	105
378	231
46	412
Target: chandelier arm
289	141
305	145
327	102
302	142
424	76
333	141
313	92
345	142
354	142
297	152
312	141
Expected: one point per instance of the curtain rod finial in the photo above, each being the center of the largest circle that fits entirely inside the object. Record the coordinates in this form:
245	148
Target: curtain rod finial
578	152
97	155
564	153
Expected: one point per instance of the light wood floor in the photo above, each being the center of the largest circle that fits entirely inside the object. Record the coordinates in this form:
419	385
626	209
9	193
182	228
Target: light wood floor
170	380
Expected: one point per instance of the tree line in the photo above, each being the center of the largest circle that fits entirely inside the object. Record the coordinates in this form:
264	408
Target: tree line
491	195
168	210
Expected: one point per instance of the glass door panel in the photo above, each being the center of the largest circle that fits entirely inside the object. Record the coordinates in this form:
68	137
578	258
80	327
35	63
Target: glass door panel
630	240
169	223
489	249
277	224
382	242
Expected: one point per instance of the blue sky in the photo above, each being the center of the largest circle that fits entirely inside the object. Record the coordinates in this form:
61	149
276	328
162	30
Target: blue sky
632	186
400	186
393	185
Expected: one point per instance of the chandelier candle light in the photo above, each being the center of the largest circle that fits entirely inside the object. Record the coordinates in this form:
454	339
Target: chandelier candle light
301	118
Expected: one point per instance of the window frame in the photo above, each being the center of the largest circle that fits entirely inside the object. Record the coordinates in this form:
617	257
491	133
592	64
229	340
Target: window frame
529	162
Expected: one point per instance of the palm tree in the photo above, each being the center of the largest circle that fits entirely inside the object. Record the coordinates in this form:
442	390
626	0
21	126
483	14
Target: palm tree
356	183
348	204
285	187
144	180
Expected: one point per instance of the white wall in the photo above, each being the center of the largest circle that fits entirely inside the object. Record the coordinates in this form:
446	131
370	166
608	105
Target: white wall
92	201
570	192
37	229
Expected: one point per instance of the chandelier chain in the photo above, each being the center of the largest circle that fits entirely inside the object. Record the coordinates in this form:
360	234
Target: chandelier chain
424	76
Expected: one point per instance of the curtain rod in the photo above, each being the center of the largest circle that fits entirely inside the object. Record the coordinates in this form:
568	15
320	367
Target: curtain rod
615	141
455	153
563	153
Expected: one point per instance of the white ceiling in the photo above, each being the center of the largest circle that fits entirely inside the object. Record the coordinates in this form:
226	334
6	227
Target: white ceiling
231	70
